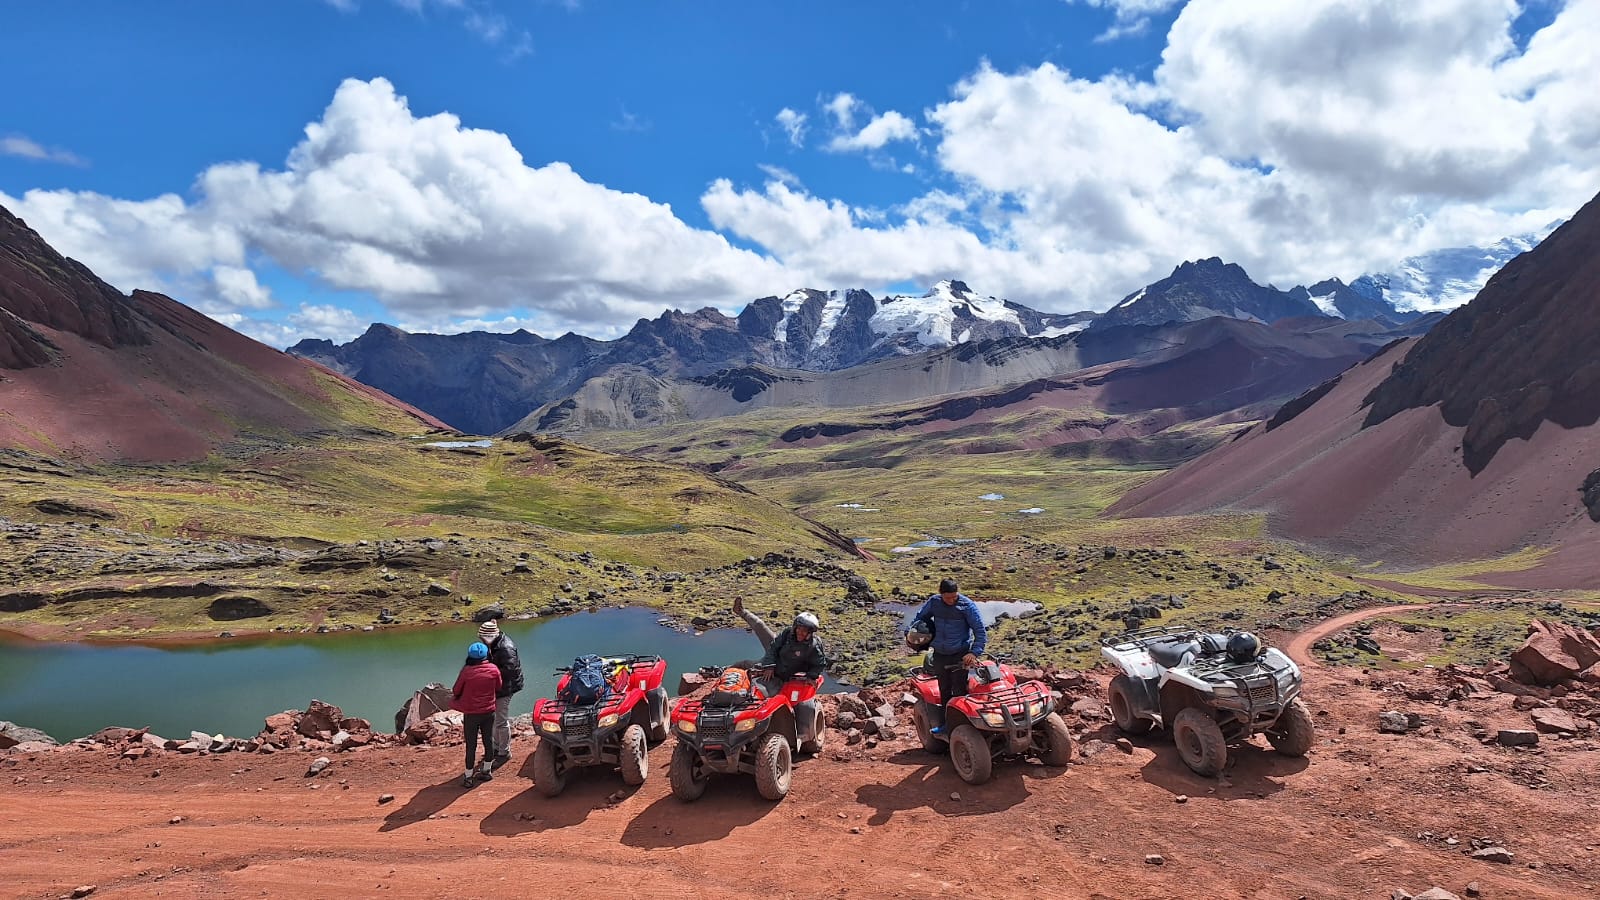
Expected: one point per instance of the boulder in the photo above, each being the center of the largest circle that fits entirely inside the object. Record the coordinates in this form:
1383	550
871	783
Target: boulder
115	734
1554	652
1554	721
853	704
1391	722
1435	893
430	699
1089	708
320	720
12	735
689	682
1512	737
1494	854
439	728
489	613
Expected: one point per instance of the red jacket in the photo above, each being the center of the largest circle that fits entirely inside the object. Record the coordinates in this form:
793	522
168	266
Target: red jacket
475	688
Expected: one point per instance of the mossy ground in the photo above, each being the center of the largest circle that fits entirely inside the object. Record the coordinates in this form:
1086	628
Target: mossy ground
548	527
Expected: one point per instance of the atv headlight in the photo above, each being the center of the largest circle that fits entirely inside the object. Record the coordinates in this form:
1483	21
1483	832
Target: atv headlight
1035	709
608	721
686	726
550	725
1224	690
994	719
745	725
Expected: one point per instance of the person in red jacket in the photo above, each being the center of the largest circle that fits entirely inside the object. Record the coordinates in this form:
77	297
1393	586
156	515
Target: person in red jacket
473	697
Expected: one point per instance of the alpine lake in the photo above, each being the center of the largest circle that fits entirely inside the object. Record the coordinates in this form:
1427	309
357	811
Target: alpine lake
69	690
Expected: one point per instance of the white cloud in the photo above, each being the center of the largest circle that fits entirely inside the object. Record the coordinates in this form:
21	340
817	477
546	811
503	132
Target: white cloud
891	126
28	148
793	125
1333	138
1302	141
238	288
1132	16
479	17
432	218
843	109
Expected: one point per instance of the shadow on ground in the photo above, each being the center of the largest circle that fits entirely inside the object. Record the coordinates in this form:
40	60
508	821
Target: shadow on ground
424	803
931	781
729	802
1253	772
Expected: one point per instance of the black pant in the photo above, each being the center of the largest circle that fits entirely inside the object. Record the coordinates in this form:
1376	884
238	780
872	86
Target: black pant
952	677
473	725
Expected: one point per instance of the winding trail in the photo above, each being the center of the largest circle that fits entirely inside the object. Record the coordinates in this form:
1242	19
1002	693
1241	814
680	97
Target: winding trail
1299	647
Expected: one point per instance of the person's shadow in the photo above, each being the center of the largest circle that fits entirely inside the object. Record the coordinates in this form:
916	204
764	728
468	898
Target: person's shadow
729	802
423	804
1253	772
932	780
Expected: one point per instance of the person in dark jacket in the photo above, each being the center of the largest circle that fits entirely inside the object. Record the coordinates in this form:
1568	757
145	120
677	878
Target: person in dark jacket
474	697
503	653
793	653
959	638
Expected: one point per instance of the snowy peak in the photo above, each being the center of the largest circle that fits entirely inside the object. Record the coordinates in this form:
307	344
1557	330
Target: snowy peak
949	314
1445	279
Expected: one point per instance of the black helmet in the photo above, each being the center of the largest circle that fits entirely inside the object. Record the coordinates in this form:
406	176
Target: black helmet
919	635
1244	647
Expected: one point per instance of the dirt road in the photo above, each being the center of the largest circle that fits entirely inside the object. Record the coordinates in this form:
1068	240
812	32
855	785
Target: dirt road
1366	813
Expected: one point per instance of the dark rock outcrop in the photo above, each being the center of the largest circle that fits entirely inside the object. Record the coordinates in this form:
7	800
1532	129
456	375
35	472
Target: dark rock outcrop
1520	354
232	609
1202	289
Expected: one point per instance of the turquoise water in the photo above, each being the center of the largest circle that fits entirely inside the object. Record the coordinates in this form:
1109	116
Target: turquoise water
70	690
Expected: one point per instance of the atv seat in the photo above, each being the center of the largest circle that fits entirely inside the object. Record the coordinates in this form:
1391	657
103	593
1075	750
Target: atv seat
1172	652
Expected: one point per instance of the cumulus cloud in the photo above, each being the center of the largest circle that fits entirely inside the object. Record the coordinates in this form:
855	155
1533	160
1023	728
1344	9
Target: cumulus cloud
1335	138
793	125
891	126
28	148
432	218
1326	138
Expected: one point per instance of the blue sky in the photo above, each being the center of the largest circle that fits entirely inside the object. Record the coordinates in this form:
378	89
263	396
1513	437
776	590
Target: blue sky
606	160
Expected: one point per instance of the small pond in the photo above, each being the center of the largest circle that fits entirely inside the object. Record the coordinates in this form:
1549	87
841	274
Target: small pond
72	689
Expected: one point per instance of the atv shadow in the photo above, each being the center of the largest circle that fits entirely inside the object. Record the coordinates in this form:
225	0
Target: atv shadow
728	803
932	780
1253	772
588	789
424	803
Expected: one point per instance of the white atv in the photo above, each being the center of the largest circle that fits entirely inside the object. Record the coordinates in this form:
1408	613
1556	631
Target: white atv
1208	691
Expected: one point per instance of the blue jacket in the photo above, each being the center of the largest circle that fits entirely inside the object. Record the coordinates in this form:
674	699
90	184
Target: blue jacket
953	625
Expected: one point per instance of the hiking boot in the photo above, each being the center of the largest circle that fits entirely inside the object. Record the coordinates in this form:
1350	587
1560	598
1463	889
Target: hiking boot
466	780
939	730
485	775
499	761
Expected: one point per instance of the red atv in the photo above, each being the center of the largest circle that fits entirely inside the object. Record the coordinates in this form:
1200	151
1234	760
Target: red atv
997	716
616	731
756	736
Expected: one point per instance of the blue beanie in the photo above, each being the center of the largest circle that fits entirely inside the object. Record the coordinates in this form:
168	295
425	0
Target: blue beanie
478	650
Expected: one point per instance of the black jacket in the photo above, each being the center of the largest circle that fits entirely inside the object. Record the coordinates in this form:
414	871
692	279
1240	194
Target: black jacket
503	654
791	656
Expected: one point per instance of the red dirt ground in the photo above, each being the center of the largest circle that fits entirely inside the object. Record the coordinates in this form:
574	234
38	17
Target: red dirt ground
1364	814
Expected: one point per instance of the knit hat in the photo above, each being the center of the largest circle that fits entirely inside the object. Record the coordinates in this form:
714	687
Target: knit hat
488	631
477	652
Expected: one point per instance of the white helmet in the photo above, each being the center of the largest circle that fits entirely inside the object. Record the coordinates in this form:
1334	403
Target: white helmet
807	620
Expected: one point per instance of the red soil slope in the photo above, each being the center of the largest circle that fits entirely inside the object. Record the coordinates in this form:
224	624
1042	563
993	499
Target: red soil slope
1472	442
90	373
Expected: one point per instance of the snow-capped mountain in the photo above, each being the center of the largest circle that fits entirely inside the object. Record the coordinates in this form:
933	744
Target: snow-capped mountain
1444	279
827	330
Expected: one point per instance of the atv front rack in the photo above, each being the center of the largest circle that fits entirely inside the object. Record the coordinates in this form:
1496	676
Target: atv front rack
1144	637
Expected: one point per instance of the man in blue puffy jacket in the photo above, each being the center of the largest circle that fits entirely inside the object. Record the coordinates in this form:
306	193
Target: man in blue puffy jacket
959	639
